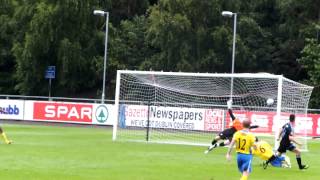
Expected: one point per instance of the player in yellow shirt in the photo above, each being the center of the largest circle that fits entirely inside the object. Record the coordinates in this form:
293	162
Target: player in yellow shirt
244	141
2	134
264	151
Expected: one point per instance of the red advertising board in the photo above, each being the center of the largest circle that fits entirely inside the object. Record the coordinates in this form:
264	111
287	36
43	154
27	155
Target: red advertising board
213	120
309	124
67	112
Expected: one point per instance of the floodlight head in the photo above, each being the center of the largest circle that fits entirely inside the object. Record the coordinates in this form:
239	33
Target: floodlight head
99	12
227	13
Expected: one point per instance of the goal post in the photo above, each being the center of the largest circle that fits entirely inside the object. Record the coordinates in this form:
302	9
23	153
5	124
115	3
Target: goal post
189	108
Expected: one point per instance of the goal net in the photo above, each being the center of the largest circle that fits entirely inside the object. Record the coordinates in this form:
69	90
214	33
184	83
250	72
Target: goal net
190	108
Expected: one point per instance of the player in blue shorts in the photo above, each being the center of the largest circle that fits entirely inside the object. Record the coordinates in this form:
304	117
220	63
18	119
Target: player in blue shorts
244	141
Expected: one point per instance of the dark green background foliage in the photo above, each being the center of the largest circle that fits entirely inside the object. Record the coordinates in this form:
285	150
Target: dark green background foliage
276	36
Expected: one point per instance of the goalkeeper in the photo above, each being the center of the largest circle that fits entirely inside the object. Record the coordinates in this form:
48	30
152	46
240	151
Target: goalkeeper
263	150
228	133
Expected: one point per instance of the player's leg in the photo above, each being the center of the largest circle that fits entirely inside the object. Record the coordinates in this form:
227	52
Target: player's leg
221	136
286	163
226	134
225	143
244	165
281	149
266	163
298	157
4	137
216	139
214	143
277	161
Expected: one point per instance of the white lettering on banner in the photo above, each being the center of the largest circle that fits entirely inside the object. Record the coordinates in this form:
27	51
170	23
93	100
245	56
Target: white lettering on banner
74	113
139	123
86	112
303	125
241	116
278	123
165	117
135	111
51	112
62	110
213	120
260	120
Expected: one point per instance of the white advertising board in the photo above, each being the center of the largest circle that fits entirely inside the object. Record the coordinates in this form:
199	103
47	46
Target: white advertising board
171	117
11	109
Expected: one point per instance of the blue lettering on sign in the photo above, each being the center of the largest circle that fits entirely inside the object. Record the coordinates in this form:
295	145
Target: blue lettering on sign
11	110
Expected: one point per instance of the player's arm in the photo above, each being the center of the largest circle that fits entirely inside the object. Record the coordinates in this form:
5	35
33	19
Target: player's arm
230	149
231	114
253	127
280	134
229	104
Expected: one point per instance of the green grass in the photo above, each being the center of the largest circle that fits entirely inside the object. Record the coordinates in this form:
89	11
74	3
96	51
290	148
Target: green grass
66	153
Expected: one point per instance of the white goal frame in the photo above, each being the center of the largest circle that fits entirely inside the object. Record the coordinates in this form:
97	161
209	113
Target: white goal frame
279	78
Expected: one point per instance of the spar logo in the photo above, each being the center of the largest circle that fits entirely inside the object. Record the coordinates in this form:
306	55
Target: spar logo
63	112
102	113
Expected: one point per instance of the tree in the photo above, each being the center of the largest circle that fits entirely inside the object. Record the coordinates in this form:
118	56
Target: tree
7	35
310	60
290	33
60	34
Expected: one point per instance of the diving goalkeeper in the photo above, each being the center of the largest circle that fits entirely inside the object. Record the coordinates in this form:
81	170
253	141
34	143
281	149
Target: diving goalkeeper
228	133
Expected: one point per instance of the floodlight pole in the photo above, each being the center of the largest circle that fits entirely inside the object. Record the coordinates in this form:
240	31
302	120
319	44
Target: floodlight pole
230	14
103	13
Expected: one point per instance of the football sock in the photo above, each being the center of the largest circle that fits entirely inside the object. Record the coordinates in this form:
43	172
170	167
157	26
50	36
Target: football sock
221	144
244	177
299	161
270	159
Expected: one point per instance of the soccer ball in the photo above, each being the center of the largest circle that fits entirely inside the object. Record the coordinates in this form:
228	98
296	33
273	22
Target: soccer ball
270	101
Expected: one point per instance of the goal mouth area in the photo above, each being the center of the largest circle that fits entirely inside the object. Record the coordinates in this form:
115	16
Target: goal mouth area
197	102
207	141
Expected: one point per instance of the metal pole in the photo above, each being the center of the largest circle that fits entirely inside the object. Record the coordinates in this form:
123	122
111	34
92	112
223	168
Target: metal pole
49	89
105	59
148	122
233	51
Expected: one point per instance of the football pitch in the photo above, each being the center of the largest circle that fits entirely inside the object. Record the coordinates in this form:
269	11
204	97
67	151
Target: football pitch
85	153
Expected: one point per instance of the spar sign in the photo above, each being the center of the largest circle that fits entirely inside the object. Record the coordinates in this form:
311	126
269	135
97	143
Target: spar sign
171	117
69	112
